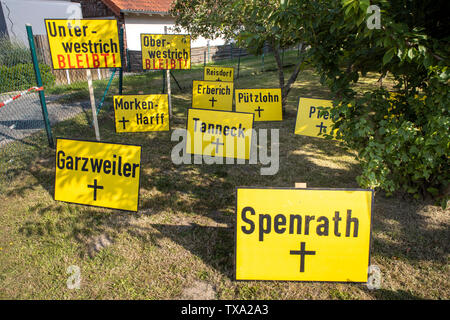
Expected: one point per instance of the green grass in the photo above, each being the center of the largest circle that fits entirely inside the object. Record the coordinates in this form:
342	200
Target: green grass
182	238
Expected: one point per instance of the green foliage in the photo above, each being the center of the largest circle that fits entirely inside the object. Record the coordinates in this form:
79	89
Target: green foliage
403	143
21	77
402	138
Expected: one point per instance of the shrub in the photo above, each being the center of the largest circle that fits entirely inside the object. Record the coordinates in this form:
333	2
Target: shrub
21	77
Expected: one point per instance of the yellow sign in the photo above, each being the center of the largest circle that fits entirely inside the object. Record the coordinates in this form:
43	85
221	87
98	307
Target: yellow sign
219	74
98	174
83	44
219	133
311	121
214	95
166	51
264	103
141	113
303	234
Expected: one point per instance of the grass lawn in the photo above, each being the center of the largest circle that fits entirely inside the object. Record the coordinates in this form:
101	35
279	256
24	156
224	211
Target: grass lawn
180	245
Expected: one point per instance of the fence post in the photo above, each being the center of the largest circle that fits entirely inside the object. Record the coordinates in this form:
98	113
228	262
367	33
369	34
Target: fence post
209	57
239	63
204	58
122	60
37	72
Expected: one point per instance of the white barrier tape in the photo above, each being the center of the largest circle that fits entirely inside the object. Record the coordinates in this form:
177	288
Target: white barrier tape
4	103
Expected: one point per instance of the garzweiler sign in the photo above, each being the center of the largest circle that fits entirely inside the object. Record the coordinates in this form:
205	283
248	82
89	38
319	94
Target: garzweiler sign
98	174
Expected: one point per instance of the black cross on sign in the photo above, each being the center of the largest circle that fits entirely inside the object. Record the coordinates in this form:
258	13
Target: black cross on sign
217	143
212	101
123	122
321	126
95	187
259	111
302	254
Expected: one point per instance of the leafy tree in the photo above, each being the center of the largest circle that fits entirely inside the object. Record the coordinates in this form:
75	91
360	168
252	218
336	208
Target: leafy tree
254	23
402	137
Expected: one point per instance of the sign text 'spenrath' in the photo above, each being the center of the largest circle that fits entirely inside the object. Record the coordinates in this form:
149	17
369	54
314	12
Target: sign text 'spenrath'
303	234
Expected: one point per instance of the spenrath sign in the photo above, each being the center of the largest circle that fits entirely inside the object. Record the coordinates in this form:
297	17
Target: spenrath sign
141	113
311	121
213	73
219	133
264	103
98	174
166	51
83	44
303	234
214	95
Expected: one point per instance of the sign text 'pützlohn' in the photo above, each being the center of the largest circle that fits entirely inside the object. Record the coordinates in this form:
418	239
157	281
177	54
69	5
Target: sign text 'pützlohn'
83	44
214	95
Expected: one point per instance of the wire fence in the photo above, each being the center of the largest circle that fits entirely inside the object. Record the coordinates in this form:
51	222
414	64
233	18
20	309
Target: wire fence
66	91
20	109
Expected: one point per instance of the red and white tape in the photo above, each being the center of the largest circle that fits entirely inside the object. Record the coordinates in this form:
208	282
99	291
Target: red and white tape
4	103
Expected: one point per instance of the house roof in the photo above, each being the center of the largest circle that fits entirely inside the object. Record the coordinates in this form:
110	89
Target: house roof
139	6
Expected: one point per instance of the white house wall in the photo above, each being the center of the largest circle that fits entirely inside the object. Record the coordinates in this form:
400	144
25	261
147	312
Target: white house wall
20	12
135	25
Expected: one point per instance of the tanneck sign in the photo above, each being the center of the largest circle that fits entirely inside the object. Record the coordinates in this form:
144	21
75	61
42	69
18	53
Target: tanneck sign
303	234
219	133
83	44
214	95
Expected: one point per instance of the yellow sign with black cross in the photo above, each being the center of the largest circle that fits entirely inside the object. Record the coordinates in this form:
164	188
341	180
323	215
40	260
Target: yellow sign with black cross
303	234
83	43
219	133
98	174
141	113
311	120
216	73
264	103
166	51
214	95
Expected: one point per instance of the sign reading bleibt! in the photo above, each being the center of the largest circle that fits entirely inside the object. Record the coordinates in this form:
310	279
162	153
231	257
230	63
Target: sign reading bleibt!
303	234
264	103
166	51
98	174
214	95
83	44
311	120
213	73
141	113
219	133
